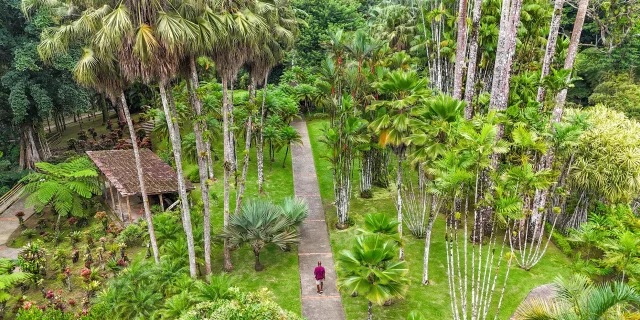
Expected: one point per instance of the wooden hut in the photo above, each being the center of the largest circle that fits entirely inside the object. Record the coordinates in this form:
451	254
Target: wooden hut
120	179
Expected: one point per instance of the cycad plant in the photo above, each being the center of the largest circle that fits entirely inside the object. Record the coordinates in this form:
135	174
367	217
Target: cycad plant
258	224
578	298
370	269
65	186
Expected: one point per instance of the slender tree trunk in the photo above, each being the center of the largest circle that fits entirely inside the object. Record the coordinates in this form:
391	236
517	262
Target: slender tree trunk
540	197
366	174
399	200
427	248
551	45
469	90
509	21
209	160
461	49
286	153
247	147
105	110
572	51
260	143
228	168
142	183
174	134
232	134
370	311
193	85
121	117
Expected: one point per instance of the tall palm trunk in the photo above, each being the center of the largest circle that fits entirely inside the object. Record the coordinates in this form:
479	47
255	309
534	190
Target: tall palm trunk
427	247
469	89
540	197
247	147
509	21
551	45
192	86
399	199
572	51
174	135
260	146
209	160
143	188
228	167
461	49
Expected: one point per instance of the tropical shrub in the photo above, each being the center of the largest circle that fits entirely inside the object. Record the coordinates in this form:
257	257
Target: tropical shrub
240	306
131	235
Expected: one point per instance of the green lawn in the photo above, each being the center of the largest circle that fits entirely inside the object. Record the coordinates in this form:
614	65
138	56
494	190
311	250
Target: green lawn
433	300
281	274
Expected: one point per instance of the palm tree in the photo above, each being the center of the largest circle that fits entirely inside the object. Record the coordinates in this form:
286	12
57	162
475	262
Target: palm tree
260	223
243	27
370	270
580	299
405	91
289	136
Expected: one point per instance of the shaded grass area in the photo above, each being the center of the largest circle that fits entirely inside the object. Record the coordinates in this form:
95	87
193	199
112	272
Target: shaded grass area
74	128
432	300
281	268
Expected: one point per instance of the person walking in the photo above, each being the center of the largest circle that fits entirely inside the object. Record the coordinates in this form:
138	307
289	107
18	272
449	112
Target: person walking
319	273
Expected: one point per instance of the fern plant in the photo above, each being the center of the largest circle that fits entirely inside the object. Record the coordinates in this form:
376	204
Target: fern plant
8	279
65	186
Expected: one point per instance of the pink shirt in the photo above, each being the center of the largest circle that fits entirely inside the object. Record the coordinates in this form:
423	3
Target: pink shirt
319	272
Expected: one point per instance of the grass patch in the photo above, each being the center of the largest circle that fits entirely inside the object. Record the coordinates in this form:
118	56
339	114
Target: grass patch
433	300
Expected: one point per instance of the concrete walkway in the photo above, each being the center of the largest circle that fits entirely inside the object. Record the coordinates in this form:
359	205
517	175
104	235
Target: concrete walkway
9	223
314	244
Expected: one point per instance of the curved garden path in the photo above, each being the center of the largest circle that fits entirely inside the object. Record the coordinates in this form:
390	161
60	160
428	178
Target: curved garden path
314	243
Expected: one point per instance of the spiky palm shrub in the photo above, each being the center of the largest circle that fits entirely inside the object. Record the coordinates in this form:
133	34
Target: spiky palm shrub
65	186
260	223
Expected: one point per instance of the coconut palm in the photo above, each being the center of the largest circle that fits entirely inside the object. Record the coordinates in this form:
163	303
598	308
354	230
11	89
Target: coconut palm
260	223
580	299
370	270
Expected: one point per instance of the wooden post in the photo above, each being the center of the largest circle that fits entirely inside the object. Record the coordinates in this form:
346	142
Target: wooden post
129	210
161	202
120	208
113	200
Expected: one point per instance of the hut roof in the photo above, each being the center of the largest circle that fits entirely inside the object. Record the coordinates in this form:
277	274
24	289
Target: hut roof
119	166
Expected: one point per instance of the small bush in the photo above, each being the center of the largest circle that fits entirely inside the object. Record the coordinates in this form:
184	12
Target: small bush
131	235
192	172
560	241
29	233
